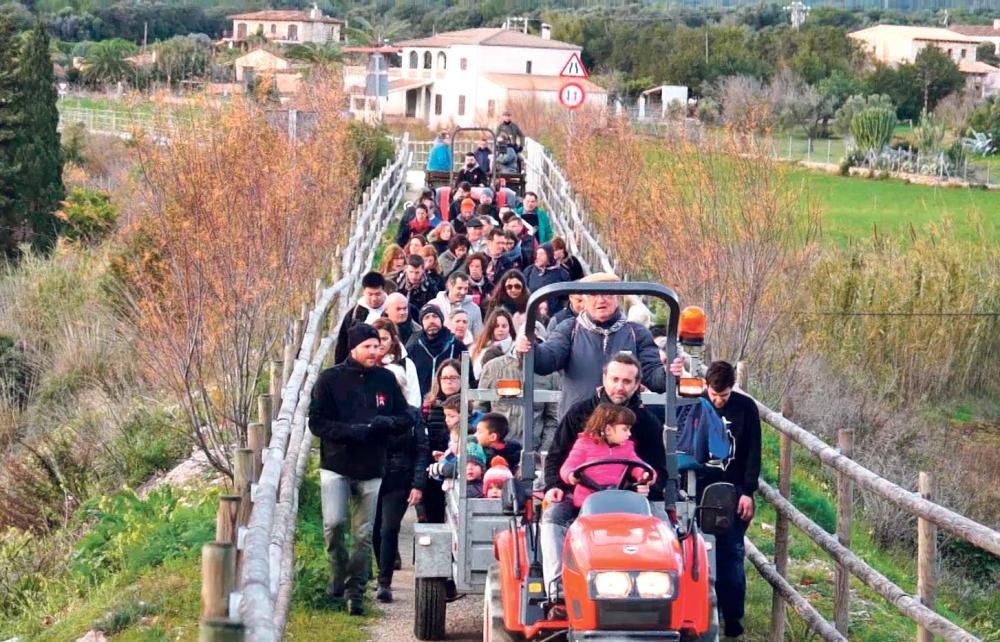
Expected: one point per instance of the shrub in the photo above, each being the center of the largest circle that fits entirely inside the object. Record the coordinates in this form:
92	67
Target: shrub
929	134
872	128
374	148
853	105
130	534
88	215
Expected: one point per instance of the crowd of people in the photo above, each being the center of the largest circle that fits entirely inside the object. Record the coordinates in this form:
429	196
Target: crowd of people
388	413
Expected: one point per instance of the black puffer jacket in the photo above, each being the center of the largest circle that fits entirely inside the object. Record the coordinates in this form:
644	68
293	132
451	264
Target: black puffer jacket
354	411
426	353
407	458
437	431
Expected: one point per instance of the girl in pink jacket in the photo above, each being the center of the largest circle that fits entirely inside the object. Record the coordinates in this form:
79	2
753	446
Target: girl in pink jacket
606	436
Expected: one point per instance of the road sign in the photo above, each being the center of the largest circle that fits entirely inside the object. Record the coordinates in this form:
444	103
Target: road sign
572	95
574	68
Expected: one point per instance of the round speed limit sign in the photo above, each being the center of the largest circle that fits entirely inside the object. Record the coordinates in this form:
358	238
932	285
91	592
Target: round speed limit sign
572	95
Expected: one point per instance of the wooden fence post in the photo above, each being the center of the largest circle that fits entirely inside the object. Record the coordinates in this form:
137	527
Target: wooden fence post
275	388
742	375
242	478
264	415
225	519
781	528
221	630
218	577
257	444
288	364
845	517
926	555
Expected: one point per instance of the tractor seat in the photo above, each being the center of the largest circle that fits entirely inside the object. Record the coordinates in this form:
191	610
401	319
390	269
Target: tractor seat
615	501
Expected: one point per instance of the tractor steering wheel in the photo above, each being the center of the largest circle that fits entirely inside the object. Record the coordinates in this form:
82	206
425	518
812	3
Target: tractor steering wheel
625	482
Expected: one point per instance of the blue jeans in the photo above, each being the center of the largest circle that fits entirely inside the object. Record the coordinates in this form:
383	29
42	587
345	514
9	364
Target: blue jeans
348	502
730	576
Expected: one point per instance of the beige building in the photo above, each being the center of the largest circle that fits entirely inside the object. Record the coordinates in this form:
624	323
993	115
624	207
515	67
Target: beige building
261	63
895	44
287	27
981	33
469	77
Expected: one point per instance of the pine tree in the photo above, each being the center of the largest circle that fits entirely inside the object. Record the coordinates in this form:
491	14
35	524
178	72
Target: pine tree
40	186
10	118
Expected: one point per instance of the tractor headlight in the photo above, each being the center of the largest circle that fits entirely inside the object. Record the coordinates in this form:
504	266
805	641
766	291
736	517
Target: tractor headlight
654	584
612	584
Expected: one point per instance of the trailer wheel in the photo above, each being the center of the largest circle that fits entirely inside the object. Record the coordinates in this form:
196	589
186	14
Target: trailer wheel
430	608
493	628
712	634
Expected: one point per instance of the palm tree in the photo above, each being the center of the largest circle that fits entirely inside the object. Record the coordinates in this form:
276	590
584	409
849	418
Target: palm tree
366	33
105	62
315	53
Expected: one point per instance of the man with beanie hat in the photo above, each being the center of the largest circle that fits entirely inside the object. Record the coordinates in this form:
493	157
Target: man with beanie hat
370	307
355	408
432	345
466	210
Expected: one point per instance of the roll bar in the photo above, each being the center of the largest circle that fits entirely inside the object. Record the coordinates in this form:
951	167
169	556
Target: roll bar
656	290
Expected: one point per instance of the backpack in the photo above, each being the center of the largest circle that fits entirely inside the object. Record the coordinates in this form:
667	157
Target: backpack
702	438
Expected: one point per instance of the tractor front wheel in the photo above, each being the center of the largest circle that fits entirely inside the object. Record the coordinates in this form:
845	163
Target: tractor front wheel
430	607
493	628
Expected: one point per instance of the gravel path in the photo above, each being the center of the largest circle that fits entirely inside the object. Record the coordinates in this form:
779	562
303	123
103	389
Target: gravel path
465	616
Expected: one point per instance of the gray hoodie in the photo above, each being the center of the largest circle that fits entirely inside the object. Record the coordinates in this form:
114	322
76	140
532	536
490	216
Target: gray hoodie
467	304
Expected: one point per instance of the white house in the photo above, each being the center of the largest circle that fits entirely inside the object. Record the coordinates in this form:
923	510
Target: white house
894	44
468	77
981	33
286	26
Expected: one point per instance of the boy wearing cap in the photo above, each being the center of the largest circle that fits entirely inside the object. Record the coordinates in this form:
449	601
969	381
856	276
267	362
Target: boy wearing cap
432	345
356	406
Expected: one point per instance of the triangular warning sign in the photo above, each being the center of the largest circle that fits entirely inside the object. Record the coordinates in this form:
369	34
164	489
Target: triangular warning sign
574	68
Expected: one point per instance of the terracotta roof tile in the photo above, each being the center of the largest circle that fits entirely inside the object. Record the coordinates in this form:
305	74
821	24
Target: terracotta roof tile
285	16
487	36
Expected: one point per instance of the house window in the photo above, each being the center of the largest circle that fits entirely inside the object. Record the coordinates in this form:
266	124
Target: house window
241	31
274	29
527	67
491	108
293	32
414	60
463	64
428	60
437	104
461	105
961	53
442	60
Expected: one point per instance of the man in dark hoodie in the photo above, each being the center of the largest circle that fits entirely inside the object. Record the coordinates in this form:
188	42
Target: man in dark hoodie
620	386
355	409
432	345
370	306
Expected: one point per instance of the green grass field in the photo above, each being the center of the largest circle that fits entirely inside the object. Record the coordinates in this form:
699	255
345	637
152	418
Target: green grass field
855	207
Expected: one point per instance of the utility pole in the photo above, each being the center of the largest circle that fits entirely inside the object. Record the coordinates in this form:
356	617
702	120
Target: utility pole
798	12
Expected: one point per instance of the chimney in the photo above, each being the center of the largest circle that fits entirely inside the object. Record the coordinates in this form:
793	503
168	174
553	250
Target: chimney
315	13
547	31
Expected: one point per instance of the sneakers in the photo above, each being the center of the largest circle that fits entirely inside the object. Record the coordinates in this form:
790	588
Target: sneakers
355	606
383	594
335	589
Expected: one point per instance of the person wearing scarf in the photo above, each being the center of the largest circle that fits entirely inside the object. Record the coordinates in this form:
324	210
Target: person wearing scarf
596	335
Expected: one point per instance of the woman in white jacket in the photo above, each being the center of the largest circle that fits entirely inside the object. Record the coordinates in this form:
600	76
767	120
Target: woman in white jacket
394	360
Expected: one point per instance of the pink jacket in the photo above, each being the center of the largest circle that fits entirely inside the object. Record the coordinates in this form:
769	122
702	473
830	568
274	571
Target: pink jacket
585	450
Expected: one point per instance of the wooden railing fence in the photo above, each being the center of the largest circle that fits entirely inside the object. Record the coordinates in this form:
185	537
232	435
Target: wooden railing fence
930	516
247	573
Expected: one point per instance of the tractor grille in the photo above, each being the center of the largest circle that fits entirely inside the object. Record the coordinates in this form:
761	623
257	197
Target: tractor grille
633	615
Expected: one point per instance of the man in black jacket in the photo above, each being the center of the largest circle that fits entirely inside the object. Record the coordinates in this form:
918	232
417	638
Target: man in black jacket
471	172
620	385
397	310
414	284
739	414
356	407
432	345
370	306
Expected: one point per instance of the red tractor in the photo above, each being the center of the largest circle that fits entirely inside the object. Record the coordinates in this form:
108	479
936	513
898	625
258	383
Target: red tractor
627	574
